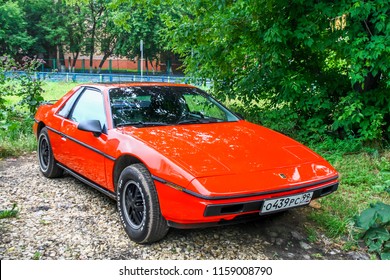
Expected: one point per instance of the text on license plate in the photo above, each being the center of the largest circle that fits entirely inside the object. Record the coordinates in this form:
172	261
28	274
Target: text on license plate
286	202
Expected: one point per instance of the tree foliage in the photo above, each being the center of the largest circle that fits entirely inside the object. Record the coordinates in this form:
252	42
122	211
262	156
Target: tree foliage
13	32
142	20
322	66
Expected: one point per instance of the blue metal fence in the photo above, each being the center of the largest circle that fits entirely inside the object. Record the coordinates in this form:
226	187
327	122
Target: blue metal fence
102	78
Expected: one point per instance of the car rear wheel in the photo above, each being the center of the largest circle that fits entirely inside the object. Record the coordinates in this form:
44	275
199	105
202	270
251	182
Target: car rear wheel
138	205
47	163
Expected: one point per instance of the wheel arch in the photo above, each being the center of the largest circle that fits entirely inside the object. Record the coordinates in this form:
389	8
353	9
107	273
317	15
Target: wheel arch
121	163
41	125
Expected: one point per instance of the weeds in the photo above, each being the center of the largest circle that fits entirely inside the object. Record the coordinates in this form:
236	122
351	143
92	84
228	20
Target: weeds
5	214
374	225
364	180
37	255
16	135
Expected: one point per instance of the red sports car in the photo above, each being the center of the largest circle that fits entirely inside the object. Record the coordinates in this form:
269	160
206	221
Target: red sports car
172	156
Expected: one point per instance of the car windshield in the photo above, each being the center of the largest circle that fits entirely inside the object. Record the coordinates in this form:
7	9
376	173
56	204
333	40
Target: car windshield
165	105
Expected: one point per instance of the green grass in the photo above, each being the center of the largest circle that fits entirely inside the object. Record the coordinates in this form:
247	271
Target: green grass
18	138
364	179
55	90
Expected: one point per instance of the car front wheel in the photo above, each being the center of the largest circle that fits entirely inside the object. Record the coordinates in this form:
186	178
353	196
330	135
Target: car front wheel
47	163
138	205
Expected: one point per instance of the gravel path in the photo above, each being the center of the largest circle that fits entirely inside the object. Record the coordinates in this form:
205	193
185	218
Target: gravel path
65	219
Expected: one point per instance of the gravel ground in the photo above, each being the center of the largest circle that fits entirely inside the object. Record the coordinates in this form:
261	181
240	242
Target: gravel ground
65	219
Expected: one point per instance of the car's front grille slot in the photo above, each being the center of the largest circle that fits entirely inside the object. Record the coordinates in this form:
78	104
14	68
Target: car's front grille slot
232	209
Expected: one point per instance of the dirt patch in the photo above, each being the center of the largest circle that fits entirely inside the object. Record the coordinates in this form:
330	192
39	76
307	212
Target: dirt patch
65	219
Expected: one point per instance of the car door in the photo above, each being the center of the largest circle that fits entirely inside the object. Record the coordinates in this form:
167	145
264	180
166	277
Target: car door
82	151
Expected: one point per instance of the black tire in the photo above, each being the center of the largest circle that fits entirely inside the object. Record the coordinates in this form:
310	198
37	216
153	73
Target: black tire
138	205
47	163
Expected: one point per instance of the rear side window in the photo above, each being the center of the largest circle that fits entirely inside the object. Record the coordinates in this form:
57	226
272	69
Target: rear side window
89	106
65	110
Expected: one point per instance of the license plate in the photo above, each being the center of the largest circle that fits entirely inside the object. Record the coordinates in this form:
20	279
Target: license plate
286	202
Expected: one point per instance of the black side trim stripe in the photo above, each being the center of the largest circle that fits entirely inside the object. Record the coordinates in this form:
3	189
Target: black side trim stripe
81	143
159	179
89	182
207	197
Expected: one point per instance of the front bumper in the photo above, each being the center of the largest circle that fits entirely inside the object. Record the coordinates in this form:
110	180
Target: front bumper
185	210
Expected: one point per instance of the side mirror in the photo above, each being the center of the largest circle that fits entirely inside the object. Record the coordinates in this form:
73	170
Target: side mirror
93	126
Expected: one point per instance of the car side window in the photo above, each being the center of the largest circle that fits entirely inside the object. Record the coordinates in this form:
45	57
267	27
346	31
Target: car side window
89	106
65	110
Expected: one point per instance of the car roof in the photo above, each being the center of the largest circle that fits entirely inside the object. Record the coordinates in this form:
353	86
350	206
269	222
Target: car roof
133	84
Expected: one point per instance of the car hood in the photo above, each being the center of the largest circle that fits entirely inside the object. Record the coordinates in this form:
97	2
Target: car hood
229	148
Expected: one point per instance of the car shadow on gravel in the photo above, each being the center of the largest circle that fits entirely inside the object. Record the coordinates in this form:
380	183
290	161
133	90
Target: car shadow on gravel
281	236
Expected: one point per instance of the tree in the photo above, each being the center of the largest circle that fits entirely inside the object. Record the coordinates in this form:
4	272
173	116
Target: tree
75	29
34	13
142	20
322	66
56	27
109	35
95	9
14	39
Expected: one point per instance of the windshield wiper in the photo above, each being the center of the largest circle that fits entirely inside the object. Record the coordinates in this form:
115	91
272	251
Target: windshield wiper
141	123
189	121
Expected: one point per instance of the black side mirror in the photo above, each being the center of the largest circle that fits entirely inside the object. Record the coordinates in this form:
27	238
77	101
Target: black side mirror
93	126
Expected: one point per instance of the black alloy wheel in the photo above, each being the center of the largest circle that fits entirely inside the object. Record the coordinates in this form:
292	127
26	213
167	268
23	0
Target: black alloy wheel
47	163
138	205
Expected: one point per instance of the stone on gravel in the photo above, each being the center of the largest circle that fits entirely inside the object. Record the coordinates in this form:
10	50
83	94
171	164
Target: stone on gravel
304	245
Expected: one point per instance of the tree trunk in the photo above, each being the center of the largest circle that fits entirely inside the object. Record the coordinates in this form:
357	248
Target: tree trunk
151	64
75	56
58	66
106	55
91	60
146	65
62	58
92	46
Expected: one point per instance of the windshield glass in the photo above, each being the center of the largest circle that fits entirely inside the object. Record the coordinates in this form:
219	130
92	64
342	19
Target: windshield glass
164	105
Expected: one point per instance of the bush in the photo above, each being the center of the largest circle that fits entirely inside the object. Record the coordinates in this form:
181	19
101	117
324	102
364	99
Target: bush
18	82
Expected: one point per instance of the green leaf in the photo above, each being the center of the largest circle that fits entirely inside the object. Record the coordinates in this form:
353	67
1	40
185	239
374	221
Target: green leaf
378	213
366	219
385	256
375	238
383	211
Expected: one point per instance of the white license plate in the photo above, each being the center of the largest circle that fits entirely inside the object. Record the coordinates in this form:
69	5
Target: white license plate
286	202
